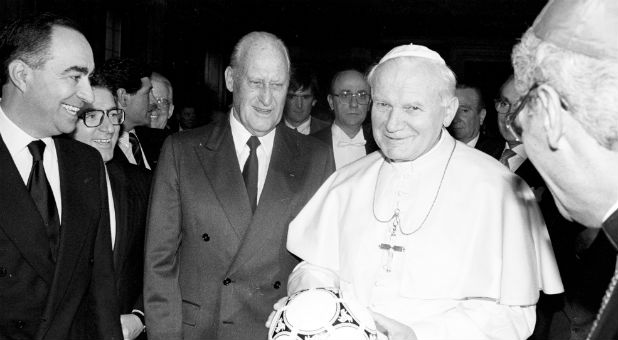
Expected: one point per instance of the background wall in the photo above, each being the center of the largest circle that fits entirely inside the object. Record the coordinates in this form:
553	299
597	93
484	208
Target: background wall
190	40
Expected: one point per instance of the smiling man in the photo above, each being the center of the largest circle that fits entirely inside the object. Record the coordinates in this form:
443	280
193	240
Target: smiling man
401	230
222	198
130	83
56	274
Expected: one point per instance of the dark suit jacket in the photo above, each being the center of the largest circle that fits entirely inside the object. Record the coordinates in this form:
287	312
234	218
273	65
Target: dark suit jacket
130	189
43	300
150	140
212	269
326	136
490	145
317	125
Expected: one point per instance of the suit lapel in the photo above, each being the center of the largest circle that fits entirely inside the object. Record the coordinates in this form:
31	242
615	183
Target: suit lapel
218	158
20	219
77	189
279	188
121	206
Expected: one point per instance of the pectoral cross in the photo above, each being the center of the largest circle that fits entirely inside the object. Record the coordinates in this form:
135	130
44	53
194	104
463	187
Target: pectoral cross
391	247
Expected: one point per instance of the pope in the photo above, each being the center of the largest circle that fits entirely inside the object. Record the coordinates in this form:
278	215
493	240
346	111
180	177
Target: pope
439	240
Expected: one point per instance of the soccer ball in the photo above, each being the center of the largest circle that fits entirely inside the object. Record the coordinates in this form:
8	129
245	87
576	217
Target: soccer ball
322	313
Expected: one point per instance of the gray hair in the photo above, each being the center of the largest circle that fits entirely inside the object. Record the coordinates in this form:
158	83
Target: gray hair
443	73
251	39
588	85
155	76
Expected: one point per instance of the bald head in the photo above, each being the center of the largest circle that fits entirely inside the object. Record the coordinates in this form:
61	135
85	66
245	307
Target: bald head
260	40
349	100
258	77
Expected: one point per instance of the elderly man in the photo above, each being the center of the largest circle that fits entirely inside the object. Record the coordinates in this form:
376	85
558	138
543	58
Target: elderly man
222	199
56	267
432	255
301	99
349	98
466	126
567	67
160	108
162	97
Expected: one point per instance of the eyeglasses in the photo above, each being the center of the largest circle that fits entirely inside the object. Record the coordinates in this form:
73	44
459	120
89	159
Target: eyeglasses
511	122
94	117
163	104
503	106
362	97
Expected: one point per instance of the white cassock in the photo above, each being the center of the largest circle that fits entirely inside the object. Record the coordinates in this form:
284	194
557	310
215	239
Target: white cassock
472	270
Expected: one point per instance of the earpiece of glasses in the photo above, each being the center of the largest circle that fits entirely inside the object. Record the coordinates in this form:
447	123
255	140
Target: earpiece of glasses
94	117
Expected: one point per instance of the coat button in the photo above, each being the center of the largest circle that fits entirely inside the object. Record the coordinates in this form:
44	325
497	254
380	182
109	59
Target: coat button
19	324
205	237
3	272
277	285
227	281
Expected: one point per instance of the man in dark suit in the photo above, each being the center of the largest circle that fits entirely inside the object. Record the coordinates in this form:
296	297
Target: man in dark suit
301	99
128	188
130	83
221	202
566	68
56	270
466	126
348	139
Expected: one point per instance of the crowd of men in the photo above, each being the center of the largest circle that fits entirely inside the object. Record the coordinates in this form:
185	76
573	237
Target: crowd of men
113	227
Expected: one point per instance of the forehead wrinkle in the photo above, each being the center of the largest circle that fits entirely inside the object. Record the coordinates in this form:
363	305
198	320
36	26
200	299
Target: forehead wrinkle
256	54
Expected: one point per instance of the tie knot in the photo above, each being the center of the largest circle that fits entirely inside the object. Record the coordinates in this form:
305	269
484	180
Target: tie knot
253	143
36	148
133	138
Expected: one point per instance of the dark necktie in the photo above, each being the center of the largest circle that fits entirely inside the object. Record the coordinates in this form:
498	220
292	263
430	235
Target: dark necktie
250	171
136	149
41	193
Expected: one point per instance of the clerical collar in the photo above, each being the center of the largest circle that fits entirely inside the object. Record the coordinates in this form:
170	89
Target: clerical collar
393	183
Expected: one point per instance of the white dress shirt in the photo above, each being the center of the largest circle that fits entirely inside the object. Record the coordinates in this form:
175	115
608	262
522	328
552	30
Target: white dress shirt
17	141
346	149
304	127
473	141
112	209
264	150
125	146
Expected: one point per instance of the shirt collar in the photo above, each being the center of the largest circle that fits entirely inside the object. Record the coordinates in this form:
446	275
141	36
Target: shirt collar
610	225
518	149
340	135
14	137
240	135
304	127
473	141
